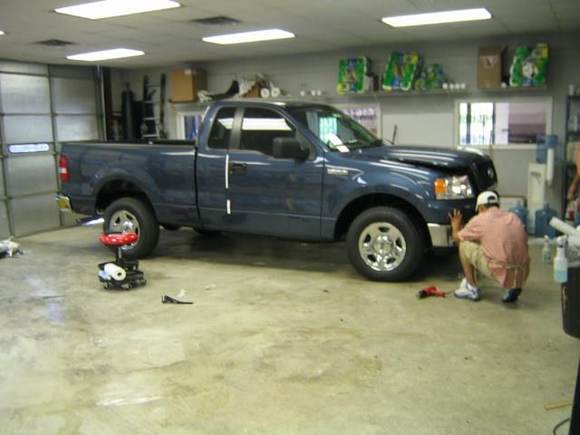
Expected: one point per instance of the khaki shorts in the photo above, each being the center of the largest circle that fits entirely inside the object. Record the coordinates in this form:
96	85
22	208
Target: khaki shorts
474	254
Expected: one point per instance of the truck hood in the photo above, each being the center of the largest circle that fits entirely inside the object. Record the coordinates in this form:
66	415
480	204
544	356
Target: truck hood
443	158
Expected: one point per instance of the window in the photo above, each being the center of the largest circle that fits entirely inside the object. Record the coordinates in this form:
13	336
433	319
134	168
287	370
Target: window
259	129
334	128
503	122
221	131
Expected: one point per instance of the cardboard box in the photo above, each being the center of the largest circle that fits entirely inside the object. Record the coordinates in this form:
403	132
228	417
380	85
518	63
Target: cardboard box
186	83
489	67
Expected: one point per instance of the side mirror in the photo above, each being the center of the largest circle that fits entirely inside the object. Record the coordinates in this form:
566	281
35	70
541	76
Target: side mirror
290	148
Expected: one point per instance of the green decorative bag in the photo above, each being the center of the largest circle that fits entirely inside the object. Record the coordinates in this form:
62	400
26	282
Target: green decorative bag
351	74
431	77
530	66
401	71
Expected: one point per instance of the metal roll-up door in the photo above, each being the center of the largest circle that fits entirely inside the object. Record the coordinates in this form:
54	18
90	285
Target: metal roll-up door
40	106
76	109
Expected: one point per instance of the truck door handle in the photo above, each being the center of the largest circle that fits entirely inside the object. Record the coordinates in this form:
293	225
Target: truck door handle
238	168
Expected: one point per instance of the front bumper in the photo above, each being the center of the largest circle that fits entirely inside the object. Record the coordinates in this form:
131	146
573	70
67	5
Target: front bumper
440	235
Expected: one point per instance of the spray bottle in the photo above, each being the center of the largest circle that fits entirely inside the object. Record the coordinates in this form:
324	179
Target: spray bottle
561	262
547	251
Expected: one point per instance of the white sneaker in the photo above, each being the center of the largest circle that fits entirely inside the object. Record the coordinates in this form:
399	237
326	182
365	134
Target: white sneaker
467	291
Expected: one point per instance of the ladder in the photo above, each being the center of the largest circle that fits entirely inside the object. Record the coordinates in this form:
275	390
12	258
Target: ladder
153	127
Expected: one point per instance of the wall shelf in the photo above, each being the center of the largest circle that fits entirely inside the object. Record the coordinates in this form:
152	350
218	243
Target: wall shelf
376	95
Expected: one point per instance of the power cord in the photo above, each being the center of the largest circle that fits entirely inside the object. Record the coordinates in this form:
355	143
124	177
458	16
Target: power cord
559	425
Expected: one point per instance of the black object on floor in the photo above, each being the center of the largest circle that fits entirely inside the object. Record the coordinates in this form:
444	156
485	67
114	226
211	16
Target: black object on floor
169	300
571	303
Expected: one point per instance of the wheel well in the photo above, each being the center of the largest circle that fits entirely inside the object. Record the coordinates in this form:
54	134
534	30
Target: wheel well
357	206
116	189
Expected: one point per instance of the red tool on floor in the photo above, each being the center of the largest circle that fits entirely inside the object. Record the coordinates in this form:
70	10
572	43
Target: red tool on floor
430	291
121	274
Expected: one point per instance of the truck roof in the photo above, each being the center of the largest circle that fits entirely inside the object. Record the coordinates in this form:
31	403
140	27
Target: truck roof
266	102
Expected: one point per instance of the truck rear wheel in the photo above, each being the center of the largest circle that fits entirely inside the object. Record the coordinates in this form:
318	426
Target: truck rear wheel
385	244
131	214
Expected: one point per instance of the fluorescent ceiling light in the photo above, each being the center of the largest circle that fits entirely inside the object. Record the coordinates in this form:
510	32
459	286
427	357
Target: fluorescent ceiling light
438	17
240	38
115	53
116	8
2	33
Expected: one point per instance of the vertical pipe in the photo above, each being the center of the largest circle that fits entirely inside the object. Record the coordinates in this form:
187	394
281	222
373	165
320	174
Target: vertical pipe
55	145
101	100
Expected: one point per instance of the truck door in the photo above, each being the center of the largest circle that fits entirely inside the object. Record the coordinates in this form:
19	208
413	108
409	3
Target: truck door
280	197
211	169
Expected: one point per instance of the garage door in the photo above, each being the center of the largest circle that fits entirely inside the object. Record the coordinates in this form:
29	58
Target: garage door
40	107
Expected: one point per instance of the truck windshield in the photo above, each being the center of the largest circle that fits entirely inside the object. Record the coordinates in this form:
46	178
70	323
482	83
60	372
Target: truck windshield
337	130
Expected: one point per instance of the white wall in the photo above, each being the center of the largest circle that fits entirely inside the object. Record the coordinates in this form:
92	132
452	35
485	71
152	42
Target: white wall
421	119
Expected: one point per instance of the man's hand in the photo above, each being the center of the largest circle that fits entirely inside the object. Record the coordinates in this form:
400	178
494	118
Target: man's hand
456	219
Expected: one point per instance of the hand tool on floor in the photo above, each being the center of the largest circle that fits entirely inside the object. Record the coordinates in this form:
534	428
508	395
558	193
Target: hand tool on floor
430	291
169	300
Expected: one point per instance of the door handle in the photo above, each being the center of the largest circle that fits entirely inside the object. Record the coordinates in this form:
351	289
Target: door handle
238	168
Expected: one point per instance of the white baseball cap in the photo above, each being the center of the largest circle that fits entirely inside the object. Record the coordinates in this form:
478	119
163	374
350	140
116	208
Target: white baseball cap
487	198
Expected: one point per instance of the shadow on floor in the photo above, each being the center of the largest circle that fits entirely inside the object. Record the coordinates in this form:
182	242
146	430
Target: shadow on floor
252	250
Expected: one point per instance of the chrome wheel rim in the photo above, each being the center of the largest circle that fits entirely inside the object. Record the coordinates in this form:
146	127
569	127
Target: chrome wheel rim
382	246
124	221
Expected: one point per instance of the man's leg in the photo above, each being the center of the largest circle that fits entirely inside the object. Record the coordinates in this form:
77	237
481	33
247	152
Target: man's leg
468	254
468	268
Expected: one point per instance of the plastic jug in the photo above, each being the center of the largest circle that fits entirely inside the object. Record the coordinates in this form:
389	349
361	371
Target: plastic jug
521	212
561	262
543	143
543	217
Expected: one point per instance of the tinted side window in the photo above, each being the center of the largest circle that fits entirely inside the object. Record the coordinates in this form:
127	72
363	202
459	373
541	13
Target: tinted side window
221	131
259	129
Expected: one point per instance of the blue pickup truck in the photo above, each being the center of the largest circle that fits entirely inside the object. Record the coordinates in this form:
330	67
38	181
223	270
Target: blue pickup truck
292	170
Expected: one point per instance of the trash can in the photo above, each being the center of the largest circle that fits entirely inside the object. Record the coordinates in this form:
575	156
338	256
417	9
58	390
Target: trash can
571	301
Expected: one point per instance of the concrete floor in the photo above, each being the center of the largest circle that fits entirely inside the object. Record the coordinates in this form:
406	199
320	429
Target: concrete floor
283	338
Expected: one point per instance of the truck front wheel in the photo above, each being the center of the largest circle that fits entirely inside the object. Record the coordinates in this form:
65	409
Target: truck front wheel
385	244
131	214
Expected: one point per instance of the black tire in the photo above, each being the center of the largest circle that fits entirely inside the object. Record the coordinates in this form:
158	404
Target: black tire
171	227
207	233
401	239
148	227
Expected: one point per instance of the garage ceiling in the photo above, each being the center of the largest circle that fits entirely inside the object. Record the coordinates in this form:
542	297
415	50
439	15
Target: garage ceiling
320	25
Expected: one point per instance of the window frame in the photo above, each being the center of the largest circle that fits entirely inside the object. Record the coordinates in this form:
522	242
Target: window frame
232	133
547	100
236	145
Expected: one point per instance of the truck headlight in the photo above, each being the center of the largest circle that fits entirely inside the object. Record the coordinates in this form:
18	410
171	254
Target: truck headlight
455	187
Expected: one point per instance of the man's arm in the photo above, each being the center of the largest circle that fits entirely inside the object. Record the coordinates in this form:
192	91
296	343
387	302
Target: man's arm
456	219
574	186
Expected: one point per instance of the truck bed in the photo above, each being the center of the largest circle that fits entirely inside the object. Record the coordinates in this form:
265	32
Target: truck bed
164	169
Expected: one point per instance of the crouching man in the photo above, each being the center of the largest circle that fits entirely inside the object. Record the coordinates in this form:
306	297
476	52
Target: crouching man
494	243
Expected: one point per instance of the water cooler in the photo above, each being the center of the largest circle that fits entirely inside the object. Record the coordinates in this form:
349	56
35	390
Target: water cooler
540	175
536	192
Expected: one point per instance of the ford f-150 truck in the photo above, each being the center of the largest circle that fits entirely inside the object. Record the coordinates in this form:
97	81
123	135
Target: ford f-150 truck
292	170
